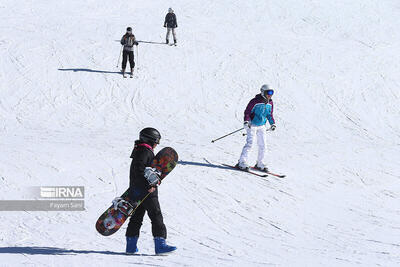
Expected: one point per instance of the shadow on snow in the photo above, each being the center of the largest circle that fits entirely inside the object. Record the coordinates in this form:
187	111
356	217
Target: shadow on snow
90	70
209	165
57	251
146	42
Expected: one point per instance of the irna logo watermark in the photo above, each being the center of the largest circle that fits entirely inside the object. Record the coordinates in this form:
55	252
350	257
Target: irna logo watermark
49	198
70	192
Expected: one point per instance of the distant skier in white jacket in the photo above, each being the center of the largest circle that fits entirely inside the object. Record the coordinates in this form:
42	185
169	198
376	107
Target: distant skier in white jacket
258	111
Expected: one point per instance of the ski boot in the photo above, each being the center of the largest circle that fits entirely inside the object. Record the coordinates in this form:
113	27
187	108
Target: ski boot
242	166
160	246
131	74
131	244
123	73
262	168
167	41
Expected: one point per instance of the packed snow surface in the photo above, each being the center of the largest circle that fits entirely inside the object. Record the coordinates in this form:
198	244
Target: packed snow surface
67	117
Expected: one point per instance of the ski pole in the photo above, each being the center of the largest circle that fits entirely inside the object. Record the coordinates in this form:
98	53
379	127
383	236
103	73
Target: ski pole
137	56
119	55
227	135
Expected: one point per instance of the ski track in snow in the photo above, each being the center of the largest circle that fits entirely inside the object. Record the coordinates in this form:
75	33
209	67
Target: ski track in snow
67	117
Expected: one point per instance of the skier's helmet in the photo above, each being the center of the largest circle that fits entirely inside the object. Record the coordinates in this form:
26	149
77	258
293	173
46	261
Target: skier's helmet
129	29
150	136
265	90
170	10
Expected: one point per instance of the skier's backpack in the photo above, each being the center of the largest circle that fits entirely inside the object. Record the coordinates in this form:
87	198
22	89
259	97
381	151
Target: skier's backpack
129	40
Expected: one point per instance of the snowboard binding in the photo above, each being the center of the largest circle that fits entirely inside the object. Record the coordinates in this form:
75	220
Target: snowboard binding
123	206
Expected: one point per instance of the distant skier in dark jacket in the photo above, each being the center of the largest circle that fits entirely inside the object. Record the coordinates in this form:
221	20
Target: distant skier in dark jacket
142	180
170	23
128	40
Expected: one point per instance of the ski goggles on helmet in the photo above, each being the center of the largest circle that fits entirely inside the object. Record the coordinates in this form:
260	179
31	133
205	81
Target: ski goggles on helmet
269	92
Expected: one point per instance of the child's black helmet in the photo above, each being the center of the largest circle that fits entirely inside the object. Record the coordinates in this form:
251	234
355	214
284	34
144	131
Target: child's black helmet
150	136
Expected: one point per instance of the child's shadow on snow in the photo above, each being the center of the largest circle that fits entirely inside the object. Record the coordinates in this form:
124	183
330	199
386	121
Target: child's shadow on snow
58	251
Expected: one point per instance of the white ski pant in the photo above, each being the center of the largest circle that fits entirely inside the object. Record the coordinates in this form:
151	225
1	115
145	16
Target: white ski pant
173	33
260	132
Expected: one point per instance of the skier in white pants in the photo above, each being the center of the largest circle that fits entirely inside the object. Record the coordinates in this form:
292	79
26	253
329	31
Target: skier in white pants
258	111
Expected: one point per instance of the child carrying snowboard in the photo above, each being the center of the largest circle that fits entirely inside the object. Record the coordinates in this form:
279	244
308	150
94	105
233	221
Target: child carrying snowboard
142	180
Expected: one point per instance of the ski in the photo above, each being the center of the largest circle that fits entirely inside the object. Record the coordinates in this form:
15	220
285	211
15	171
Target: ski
250	172
270	173
277	175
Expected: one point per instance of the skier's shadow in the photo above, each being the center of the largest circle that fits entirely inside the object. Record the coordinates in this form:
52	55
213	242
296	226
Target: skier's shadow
209	165
90	70
150	42
147	42
57	251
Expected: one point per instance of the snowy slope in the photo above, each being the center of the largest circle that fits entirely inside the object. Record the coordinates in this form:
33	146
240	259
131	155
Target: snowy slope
68	118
